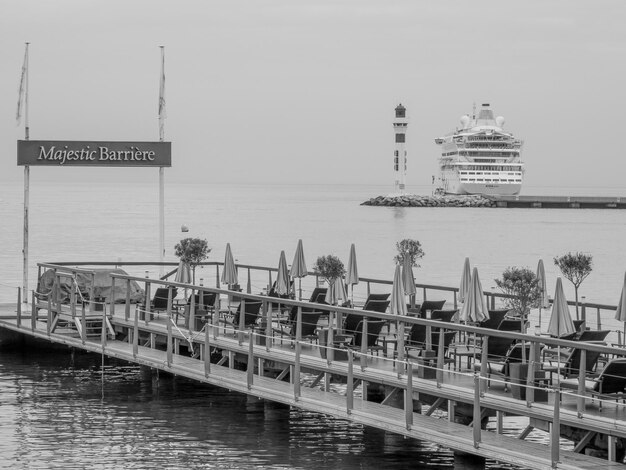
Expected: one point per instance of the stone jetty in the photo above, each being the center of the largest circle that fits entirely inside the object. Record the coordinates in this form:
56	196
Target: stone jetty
413	200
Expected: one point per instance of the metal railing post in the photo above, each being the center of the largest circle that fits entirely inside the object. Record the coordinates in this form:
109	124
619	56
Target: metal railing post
582	372
408	396
477	413
330	350
440	361
83	324
483	364
127	304
350	383
112	297
18	320
169	341
207	351
363	357
242	321
555	432
136	332
298	347
250	368
267	308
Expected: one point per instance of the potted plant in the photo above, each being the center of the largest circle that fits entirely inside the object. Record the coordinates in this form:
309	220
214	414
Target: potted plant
575	267
192	251
524	292
523	289
409	248
330	268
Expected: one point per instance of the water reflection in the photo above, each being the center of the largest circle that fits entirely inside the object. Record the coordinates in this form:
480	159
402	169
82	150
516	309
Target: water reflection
70	412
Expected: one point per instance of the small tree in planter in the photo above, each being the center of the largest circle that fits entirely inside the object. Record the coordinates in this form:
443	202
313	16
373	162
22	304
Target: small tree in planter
575	267
192	251
523	287
330	268
410	248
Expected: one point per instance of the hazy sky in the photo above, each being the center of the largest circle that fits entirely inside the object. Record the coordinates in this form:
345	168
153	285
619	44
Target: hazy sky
288	91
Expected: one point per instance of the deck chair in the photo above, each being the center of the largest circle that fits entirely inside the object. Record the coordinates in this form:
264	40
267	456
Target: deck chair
251	316
159	301
431	305
310	318
495	318
374	327
497	352
379	306
377	297
443	315
318	295
593	335
571	366
610	383
509	325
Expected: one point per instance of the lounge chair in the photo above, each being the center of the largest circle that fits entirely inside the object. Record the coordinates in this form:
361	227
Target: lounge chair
310	319
510	325
251	316
443	315
377	297
374	328
570	367
376	305
610	383
352	320
318	295
160	299
495	318
431	305
498	350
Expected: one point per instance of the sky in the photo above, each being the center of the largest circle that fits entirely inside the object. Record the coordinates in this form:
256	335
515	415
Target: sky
288	91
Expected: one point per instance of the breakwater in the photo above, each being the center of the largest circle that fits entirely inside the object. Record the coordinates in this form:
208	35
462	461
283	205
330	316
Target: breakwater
413	200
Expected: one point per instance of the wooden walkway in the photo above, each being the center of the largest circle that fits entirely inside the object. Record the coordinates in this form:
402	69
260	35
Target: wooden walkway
457	388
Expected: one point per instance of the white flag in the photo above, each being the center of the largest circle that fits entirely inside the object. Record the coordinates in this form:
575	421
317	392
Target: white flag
162	114
22	90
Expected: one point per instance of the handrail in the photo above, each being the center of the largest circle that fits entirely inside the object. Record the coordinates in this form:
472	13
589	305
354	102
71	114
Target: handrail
433	287
407	320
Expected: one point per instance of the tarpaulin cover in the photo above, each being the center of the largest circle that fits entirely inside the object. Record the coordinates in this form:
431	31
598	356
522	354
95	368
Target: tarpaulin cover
102	285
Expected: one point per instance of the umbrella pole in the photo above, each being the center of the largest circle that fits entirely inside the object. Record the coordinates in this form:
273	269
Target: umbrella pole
299	288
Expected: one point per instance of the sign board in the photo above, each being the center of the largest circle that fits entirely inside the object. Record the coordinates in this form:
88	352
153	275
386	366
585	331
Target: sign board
93	153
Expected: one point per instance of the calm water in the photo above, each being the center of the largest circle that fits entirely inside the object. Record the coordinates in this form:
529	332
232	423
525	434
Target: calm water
57	411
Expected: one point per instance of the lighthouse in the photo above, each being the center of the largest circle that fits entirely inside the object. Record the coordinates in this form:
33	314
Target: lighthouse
399	155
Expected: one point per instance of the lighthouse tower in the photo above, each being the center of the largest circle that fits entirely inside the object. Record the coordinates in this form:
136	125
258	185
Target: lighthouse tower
399	155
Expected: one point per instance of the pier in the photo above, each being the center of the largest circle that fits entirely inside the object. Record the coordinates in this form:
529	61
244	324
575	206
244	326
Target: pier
515	202
439	396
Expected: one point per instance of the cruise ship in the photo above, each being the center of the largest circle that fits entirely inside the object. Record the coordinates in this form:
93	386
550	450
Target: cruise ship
480	157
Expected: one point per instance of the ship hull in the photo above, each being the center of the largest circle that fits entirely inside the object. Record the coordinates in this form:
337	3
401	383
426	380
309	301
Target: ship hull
487	189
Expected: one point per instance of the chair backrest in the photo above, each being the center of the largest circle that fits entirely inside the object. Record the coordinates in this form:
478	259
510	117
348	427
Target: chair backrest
208	299
497	348
251	314
309	323
510	325
318	294
495	318
376	305
572	363
431	305
593	335
613	376
448	337
351	322
377	297
443	315
374	328
417	335
273	293
159	302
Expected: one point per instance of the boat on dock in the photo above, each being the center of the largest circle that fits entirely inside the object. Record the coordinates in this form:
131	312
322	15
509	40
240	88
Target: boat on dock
387	384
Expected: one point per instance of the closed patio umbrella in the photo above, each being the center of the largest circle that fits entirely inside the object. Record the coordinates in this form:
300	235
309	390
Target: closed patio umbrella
336	293
561	323
475	306
544	301
282	278
466	279
408	281
298	267
352	275
229	274
183	273
397	305
620	314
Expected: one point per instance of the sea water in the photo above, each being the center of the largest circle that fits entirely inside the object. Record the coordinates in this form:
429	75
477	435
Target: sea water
74	413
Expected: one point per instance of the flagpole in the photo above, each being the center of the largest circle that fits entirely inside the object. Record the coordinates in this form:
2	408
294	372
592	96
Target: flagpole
162	169
26	184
